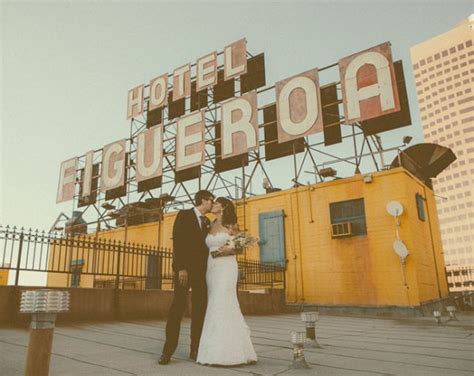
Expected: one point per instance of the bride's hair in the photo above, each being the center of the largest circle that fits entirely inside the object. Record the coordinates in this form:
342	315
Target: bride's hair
229	217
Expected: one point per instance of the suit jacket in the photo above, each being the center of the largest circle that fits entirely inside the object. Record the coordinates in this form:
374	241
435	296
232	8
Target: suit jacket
190	251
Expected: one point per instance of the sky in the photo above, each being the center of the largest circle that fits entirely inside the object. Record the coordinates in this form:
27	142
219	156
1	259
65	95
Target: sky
67	66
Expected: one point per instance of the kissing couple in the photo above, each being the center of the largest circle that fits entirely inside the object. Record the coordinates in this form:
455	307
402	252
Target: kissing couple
219	334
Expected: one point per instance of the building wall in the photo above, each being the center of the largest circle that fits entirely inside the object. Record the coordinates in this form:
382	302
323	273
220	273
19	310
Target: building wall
359	270
444	67
4	277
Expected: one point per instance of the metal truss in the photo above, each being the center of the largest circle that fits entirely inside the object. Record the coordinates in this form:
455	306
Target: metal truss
235	184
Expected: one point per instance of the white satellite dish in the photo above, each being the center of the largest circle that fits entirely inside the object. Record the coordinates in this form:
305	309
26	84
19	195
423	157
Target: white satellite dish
400	249
394	208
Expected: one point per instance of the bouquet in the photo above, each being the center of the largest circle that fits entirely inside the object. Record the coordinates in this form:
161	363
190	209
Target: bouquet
238	242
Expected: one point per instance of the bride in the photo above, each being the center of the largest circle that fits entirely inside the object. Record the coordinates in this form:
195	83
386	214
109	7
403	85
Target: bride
225	338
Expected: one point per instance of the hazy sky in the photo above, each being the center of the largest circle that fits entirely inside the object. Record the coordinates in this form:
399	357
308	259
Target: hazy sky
66	69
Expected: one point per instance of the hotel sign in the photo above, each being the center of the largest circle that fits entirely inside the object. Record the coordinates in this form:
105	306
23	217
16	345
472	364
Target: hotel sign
369	90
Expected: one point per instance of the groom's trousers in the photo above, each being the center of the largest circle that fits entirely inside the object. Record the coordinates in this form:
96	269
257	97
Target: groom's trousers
197	282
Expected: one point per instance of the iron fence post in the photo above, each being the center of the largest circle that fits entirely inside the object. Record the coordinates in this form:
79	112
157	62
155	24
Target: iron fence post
117	272
273	276
17	276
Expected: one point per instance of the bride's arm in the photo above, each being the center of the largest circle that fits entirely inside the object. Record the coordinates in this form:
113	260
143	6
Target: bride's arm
225	250
228	250
235	230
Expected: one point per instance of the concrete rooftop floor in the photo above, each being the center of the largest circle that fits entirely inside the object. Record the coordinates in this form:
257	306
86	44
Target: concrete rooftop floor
351	346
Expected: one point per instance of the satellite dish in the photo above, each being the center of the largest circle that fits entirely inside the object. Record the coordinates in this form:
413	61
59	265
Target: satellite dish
425	161
394	208
400	249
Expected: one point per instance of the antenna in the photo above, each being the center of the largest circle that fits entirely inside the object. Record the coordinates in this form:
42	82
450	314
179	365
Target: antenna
395	209
400	249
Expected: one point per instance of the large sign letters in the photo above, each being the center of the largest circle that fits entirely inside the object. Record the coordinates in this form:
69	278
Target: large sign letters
239	128
373	94
113	166
149	154
190	141
369	87
298	106
67	179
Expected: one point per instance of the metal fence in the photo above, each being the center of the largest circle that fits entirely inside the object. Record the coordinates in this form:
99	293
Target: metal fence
86	260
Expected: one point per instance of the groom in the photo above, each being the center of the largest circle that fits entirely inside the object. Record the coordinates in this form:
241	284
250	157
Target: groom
190	255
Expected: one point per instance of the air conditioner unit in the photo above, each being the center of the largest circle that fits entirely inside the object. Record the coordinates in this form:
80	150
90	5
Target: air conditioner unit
341	229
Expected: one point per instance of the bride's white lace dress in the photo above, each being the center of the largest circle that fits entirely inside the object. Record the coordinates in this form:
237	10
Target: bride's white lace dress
225	338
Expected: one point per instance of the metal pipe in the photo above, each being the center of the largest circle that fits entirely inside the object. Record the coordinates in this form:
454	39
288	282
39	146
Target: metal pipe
40	344
432	242
298	229
43	305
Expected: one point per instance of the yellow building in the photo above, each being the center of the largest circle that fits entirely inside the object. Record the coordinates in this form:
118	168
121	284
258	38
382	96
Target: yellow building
4	276
329	261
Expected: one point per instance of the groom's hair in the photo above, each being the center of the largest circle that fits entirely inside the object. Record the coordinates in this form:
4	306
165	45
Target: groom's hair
202	195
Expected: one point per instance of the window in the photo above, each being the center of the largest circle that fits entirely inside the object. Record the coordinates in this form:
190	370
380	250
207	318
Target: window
420	207
352	211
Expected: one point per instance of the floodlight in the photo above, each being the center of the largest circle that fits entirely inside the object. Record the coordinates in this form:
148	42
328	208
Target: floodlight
108	206
327	172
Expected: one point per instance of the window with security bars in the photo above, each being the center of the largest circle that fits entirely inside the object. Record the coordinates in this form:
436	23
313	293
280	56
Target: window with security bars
348	218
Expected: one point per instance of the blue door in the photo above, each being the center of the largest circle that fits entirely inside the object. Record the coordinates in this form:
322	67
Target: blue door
272	237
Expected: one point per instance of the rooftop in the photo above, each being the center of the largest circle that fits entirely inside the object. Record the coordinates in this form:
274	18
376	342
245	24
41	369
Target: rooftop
352	345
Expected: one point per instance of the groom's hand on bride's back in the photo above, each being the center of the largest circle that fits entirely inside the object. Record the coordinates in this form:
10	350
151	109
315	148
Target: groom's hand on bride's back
183	277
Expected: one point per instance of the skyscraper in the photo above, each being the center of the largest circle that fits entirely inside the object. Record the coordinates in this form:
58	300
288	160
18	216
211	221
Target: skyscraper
444	75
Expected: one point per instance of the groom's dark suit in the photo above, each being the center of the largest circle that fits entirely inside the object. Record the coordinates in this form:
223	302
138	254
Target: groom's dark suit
190	253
